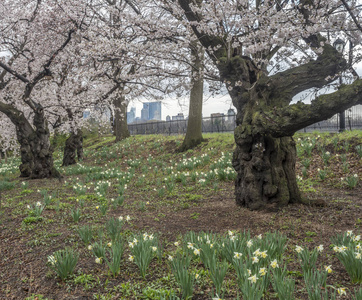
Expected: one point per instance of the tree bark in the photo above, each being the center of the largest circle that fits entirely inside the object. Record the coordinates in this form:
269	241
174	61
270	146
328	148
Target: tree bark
265	169
120	117
73	147
35	148
194	124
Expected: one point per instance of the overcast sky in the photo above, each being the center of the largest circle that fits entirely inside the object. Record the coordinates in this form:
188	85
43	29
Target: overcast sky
217	104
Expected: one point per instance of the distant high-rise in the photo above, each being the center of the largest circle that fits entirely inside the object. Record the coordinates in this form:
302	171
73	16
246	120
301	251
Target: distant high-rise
151	111
231	115
179	117
145	112
131	115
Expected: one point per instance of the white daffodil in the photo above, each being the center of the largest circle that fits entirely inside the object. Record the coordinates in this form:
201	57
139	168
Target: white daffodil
274	264
262	271
257	252
328	269
255	259
197	251
298	249
263	254
320	248
249	243
190	245
98	260
342	291
130	258
253	279
237	255
52	260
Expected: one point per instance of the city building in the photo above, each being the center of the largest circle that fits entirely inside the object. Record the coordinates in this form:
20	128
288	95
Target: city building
231	115
145	112
131	115
179	117
151	111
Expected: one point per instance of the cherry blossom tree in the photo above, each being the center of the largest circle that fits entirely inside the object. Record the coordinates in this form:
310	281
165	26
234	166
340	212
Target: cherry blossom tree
267	52
34	34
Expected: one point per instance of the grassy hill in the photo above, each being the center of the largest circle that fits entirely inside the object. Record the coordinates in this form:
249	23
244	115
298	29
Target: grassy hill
157	190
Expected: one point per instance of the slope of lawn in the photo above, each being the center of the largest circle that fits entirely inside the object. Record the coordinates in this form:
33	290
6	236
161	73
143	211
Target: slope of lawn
139	220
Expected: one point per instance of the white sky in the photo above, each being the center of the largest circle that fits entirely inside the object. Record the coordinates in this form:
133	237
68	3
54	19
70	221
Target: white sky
171	107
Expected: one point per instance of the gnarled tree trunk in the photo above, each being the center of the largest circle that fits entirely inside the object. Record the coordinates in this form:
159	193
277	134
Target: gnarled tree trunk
73	147
35	148
265	169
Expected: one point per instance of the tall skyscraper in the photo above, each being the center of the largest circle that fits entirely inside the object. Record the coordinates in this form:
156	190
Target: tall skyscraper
151	111
154	110
131	115
145	112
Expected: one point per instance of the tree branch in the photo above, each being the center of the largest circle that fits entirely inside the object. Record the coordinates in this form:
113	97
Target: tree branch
209	42
14	73
315	74
286	121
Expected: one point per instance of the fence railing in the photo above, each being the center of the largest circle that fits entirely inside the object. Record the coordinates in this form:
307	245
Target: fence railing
353	117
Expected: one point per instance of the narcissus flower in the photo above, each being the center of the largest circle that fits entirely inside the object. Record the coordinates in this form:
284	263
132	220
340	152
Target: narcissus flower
52	260
274	264
263	254
320	248
190	245
253	279
298	249
342	291
328	269
249	243
130	258
197	251
237	255
262	271
98	260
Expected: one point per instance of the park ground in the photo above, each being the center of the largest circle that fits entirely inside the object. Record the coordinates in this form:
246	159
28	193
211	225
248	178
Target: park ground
169	194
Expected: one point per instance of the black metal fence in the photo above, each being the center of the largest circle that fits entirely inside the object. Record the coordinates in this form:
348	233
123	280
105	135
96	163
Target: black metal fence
353	117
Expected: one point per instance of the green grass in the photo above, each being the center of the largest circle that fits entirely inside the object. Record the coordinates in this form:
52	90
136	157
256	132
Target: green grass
158	184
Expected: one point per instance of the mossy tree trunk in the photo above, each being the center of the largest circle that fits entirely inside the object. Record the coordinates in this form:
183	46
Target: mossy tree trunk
35	148
265	152
193	135
73	148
